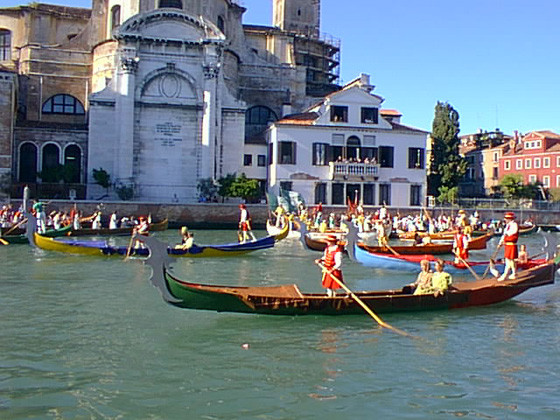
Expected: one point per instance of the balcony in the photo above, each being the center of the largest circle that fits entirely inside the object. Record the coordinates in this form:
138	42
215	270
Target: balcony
353	171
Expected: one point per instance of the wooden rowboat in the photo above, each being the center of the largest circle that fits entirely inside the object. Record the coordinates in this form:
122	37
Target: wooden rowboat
433	249
289	300
100	248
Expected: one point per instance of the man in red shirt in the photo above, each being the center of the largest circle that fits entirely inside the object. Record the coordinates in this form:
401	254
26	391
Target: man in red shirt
509	242
331	264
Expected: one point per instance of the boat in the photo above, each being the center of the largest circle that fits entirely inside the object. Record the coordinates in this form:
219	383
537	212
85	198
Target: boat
121	231
99	248
315	243
412	262
50	233
293	232
287	299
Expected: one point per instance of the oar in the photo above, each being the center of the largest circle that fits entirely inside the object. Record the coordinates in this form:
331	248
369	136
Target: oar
18	224
468	266
129	245
390	248
493	259
4	242
362	304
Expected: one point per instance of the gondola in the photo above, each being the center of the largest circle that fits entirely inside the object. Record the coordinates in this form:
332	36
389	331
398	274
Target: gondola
289	300
50	233
433	248
99	248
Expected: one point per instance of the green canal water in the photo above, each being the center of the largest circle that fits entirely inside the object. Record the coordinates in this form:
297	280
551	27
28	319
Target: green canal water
90	338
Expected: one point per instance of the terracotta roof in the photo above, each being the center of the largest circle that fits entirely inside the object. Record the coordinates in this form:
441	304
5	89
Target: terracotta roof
305	118
390	112
554	148
401	127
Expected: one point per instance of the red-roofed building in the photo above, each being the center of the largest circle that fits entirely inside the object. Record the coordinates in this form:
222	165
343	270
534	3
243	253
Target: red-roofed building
536	157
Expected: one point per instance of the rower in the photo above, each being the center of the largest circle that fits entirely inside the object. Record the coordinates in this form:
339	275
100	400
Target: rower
509	242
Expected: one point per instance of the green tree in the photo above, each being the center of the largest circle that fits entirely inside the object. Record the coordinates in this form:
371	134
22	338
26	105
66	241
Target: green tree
512	186
225	185
102	177
446	167
246	188
207	188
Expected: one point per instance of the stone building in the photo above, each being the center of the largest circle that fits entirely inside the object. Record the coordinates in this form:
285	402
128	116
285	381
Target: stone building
158	93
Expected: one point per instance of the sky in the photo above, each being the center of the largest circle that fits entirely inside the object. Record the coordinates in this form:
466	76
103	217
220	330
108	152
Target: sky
497	62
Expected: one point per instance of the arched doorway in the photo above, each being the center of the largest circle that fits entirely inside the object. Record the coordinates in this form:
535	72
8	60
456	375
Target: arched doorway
50	163
353	148
27	163
72	163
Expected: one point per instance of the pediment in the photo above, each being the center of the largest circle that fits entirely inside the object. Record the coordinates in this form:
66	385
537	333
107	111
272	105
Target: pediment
169	25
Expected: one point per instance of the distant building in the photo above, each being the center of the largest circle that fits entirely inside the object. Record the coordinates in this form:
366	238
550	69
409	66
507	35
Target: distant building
159	93
347	147
536	157
482	151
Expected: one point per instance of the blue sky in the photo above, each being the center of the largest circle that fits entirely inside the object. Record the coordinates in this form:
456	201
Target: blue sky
497	62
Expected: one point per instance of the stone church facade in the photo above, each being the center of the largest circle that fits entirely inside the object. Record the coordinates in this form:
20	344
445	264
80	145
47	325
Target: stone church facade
158	93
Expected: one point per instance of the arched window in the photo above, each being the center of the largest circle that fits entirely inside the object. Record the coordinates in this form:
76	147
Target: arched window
63	104
257	119
72	163
173	4
28	163
51	156
115	17
5	45
221	24
353	147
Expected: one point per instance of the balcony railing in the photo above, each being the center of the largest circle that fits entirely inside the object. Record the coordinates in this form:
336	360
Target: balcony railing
353	171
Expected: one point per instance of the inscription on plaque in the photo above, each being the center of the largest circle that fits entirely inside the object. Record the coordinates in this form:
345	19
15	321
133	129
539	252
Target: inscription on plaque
168	134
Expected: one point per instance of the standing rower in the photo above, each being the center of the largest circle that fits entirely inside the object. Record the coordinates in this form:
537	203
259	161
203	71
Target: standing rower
509	241
331	264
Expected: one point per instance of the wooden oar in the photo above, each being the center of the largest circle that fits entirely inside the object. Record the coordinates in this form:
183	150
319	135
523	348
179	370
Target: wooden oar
468	266
18	224
129	245
4	242
390	248
362	304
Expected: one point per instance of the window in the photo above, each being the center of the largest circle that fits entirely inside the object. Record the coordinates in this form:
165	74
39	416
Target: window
353	147
415	158
369	140
386	156
546	181
538	144
546	162
257	119
173	4
353	193
527	163
558	161
320	193
338	194
416	195
495	157
557	181
287	153
247	160
5	45
63	104
369	194
220	23
28	163
50	162
286	186
261	160
320	153
72	161
507	165
519	164
115	17
495	173
532	179
370	115
385	194
537	163
339	113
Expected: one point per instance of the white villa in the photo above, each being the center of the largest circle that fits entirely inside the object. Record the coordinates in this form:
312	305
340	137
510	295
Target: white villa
344	146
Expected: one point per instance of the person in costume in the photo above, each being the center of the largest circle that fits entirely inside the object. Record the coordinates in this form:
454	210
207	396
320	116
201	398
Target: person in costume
441	280
245	231
509	242
460	246
331	263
